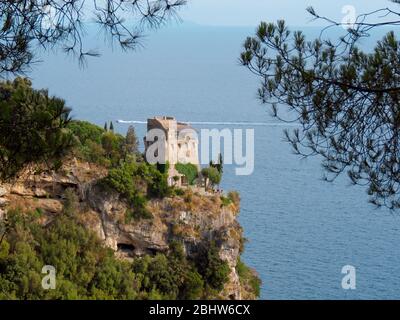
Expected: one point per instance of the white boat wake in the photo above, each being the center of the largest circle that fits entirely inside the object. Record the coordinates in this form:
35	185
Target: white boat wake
215	123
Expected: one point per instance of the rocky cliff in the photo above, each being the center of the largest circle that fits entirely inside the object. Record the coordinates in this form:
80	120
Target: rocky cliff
193	218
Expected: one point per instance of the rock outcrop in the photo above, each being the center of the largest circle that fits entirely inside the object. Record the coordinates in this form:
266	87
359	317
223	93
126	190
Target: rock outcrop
193	219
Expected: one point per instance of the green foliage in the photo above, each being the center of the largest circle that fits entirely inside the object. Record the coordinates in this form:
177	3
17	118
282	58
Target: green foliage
214	270
233	197
113	145
94	153
85	131
170	276
189	170
131	142
158	184
193	286
135	181
345	100
225	201
84	268
122	179
125	180
248	278
211	175
96	145
4	249
25	29
32	128
179	192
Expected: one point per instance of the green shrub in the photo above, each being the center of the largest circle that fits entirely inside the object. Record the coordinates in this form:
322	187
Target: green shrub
193	286
86	131
211	175
217	272
168	276
94	153
134	181
122	180
96	145
131	142
247	277
158	183
214	270
225	201
189	170
114	147
179	192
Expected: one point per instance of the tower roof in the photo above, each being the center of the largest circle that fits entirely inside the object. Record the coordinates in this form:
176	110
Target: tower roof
167	122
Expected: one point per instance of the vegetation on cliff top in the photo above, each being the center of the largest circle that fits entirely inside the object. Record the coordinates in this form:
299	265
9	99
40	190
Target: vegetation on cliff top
104	147
137	182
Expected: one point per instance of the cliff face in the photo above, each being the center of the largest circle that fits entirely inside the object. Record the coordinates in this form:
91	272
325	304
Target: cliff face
193	218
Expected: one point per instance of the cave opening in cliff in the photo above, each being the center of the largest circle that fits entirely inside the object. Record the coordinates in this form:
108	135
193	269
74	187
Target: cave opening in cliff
126	248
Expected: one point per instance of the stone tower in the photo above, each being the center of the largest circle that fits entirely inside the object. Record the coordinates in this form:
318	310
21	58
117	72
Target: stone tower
180	145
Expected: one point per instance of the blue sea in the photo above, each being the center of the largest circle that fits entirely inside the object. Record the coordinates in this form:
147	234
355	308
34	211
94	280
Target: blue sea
301	230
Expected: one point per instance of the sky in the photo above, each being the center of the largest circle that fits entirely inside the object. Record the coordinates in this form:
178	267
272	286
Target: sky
251	12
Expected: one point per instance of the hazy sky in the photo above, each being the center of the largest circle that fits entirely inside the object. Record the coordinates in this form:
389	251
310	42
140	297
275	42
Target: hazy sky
251	12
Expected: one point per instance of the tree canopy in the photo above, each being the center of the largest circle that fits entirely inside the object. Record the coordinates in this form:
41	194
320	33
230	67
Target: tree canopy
131	141
32	127
211	175
345	100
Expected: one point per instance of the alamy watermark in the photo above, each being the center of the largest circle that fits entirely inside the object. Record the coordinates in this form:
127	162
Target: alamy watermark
350	16
349	280
49	280
236	146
